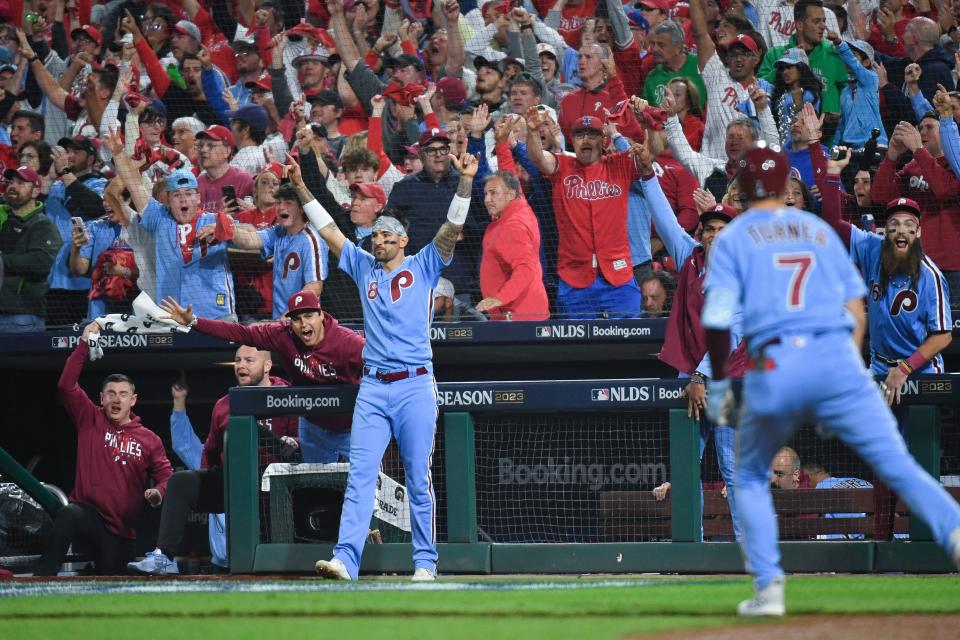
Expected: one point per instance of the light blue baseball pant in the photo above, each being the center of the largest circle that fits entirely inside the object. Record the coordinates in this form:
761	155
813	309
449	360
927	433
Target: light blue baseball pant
723	441
407	410
318	444
821	379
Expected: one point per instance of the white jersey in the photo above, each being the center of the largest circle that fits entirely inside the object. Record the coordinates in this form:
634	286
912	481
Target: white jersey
723	95
776	21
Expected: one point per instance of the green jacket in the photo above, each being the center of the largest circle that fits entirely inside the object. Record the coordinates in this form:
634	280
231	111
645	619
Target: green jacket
28	247
825	64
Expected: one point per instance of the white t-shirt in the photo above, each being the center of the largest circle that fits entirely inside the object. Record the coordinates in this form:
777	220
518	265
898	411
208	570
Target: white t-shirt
723	95
776	21
142	243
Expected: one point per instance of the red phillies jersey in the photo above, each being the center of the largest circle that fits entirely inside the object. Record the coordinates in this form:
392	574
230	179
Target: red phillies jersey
590	202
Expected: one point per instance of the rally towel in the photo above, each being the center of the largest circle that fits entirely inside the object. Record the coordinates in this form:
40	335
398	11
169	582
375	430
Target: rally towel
147	317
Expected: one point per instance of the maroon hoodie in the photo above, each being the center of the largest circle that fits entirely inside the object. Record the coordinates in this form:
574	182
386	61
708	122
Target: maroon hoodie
685	343
338	358
114	461
278	425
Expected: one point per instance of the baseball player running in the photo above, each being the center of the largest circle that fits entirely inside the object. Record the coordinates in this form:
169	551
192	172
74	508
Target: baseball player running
397	392
801	297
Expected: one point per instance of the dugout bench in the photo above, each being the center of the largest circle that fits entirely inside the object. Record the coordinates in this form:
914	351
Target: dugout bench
464	547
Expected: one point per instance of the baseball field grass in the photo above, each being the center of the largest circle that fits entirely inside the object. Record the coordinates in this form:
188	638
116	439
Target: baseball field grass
465	607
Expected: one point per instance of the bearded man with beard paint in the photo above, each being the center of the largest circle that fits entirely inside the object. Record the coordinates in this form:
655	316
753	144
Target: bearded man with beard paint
909	306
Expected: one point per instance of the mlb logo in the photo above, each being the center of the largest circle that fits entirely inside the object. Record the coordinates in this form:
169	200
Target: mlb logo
60	342
544	332
600	395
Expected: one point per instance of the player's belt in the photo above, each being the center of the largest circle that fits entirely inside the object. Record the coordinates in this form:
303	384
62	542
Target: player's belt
393	376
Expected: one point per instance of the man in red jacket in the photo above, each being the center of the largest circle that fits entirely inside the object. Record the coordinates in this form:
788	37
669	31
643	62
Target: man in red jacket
590	194
602	89
313	348
202	490
929	181
116	458
511	278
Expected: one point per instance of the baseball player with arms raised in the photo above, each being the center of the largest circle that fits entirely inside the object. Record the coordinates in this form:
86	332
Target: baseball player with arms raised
313	348
800	297
398	392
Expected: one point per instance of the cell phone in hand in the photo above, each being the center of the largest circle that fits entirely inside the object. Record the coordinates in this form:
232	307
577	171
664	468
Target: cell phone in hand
230	194
80	224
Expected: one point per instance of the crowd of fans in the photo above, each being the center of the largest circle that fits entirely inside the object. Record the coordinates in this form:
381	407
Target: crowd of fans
143	143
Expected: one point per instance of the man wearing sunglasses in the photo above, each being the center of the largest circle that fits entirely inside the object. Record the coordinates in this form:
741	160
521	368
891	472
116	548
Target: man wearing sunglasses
423	197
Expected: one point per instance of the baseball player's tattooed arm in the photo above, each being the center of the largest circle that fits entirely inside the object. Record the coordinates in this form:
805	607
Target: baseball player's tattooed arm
449	233
314	211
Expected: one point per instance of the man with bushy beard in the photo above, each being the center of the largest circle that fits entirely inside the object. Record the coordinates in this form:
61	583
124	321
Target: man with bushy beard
909	306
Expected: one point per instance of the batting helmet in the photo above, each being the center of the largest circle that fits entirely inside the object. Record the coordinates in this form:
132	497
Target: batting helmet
763	172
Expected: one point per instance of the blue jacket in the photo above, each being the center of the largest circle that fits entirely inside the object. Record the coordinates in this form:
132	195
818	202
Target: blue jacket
859	103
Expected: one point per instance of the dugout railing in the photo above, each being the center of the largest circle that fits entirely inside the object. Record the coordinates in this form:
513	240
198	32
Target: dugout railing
467	546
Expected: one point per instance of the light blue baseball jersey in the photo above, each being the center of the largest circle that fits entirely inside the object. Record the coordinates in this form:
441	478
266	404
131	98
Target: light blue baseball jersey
397	306
298	260
55	207
902	316
788	272
103	235
203	279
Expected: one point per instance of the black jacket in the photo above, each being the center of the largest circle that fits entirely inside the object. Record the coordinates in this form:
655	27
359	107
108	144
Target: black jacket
28	247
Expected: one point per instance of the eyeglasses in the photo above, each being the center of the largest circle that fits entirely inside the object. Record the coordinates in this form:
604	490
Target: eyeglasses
436	151
739	53
587	133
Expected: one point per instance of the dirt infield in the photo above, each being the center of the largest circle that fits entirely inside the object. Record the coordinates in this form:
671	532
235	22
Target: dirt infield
859	627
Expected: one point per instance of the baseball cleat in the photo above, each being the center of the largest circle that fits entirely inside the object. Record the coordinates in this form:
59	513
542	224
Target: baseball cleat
765	602
331	570
955	547
155	563
423	574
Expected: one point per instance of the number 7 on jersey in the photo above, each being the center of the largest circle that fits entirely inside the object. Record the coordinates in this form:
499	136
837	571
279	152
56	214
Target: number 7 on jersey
800	264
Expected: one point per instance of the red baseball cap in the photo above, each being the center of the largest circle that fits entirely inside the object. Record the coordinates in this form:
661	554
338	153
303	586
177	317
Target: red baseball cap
263	83
763	172
744	40
23	173
370	190
217	132
719	212
432	135
453	90
412	150
91	32
662	5
903	205
587	122
303	301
